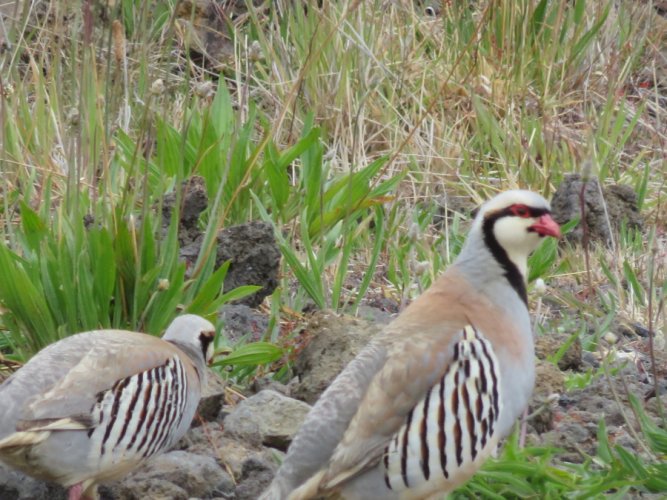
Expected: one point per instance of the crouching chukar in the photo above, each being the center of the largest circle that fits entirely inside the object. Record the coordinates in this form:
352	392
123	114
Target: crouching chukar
93	406
417	412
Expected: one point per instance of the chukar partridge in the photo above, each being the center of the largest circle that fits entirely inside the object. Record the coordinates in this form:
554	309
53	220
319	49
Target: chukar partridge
417	412
91	407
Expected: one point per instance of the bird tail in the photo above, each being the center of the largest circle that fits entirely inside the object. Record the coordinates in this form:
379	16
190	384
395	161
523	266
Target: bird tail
280	489
22	439
310	489
32	432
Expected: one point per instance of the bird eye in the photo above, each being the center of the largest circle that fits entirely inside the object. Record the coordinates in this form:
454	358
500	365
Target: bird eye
520	211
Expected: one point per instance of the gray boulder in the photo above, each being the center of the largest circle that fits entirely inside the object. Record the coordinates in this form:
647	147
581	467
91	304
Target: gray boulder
268	417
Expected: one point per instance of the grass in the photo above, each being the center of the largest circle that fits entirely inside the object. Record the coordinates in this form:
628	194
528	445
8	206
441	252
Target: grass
350	127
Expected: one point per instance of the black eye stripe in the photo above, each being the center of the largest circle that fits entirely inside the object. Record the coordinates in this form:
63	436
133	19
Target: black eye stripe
205	338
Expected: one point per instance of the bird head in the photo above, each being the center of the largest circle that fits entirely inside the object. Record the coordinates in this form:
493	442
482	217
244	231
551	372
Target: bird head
518	220
192	331
506	230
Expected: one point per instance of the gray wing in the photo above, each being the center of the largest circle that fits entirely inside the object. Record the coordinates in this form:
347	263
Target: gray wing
39	375
327	421
63	379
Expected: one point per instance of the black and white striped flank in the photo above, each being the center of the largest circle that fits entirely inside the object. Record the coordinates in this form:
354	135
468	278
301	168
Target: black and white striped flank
454	422
139	415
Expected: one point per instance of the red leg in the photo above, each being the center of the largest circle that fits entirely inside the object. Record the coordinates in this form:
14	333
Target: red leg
75	492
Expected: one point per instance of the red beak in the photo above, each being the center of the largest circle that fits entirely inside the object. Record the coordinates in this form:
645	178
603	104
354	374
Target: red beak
546	226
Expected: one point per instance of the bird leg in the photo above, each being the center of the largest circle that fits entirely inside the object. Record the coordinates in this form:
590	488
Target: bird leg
75	492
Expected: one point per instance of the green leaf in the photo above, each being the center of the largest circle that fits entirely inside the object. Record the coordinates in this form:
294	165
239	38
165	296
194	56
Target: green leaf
632	279
253	354
237	293
211	289
34	229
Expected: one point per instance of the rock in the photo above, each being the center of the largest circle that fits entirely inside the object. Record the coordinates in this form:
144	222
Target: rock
251	466
336	340
266	382
251	247
177	474
138	490
193	201
610	338
269	414
375	314
602	215
212	398
628	328
543	420
549	344
242	322
622	206
255	477
548	380
255	259
230	452
590	360
449	206
15	485
207	28
565	206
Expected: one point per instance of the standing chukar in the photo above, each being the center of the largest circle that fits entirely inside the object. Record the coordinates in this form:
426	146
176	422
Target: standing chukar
93	406
417	412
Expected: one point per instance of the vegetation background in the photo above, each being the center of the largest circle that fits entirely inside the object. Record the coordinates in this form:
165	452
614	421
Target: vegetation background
353	127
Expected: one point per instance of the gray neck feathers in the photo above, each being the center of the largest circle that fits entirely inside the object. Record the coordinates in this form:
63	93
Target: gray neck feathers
195	355
478	263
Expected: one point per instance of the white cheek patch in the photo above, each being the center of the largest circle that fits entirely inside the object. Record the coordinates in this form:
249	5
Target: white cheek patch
512	232
209	352
514	237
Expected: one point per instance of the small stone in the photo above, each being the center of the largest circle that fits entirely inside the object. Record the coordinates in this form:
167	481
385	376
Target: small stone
242	322
275	417
15	485
549	344
610	337
177	474
157	87
138	490
548	380
204	89
255	477
590	360
212	398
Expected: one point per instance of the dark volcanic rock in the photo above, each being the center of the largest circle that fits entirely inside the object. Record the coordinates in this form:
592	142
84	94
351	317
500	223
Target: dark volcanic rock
17	486
255	258
251	247
604	210
336	340
193	202
212	399
255	478
240	321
